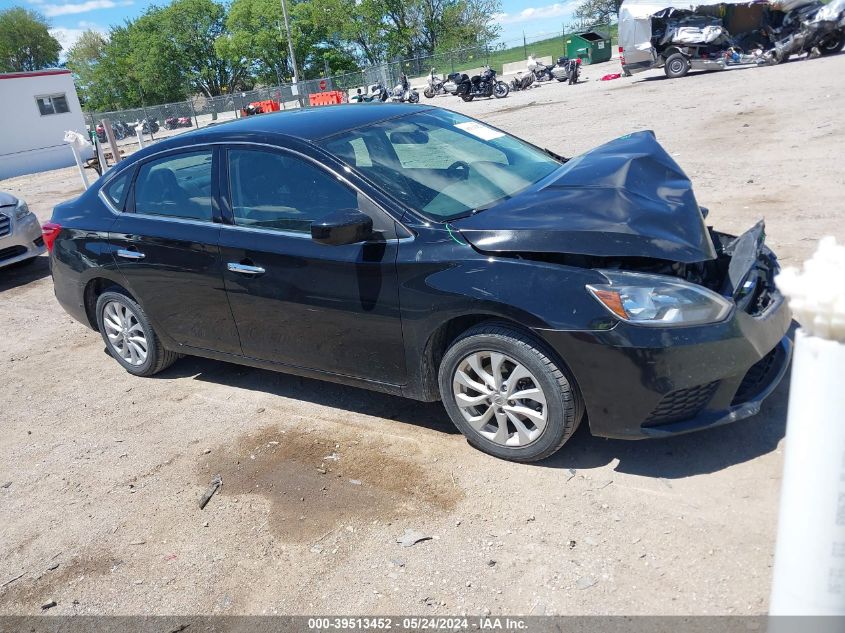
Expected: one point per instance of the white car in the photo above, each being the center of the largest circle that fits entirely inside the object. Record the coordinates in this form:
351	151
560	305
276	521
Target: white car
20	232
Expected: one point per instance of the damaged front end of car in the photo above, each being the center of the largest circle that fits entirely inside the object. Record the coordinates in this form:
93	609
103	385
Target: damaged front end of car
696	322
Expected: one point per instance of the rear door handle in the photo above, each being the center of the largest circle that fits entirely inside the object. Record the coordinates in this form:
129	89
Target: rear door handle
125	254
244	269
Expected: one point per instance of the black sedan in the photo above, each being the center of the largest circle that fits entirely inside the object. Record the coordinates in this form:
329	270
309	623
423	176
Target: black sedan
418	252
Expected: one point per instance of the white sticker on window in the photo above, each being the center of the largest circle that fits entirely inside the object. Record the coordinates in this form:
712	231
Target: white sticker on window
481	131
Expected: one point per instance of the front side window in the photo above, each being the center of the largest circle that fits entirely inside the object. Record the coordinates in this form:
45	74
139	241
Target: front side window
178	186
52	104
442	164
282	192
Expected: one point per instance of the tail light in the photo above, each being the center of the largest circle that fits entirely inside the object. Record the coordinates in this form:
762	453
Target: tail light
50	231
578	60
622	55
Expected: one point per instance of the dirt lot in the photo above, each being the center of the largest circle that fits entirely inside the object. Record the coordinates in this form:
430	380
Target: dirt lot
101	472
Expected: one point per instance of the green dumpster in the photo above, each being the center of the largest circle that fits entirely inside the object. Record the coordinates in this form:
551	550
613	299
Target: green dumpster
591	46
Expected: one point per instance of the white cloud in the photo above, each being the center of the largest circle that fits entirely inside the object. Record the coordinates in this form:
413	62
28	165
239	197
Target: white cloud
556	10
68	36
70	8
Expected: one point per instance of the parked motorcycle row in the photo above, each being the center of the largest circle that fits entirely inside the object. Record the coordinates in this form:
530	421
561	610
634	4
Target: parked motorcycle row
123	129
486	84
467	88
401	93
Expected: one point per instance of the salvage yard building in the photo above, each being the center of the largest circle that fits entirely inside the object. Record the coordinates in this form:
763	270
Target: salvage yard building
38	108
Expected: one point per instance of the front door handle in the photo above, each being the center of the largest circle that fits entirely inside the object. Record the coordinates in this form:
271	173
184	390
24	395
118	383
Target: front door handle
245	269
126	254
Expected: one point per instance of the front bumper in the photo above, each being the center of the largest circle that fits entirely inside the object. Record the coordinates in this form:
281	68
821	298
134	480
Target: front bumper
23	240
642	382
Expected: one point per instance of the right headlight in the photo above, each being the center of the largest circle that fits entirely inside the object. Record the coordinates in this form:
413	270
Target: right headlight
658	300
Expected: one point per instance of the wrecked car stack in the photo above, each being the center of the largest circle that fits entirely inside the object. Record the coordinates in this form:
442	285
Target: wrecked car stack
714	35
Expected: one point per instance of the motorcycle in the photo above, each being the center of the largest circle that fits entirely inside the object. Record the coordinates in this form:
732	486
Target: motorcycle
522	81
149	125
483	85
120	129
378	92
451	83
567	69
172	122
541	72
436	86
403	91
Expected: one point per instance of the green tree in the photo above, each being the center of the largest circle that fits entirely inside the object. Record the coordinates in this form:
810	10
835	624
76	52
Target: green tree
82	60
193	27
593	12
25	41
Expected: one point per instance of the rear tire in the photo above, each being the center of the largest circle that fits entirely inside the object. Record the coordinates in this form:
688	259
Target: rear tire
128	335
501	428
677	65
467	97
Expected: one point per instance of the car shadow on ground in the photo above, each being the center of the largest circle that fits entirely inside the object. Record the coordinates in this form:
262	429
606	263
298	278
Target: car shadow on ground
694	73
22	273
697	453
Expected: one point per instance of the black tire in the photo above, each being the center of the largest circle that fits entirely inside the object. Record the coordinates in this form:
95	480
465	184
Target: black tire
467	97
158	358
832	43
501	90
565	409
414	97
429	93
677	65
573	77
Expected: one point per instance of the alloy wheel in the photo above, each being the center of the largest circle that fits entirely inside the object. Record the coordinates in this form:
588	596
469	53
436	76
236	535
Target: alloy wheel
500	398
125	334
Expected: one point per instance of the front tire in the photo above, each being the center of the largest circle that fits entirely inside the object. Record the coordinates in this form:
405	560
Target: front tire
429	93
677	65
832	43
507	395
501	90
467	97
129	337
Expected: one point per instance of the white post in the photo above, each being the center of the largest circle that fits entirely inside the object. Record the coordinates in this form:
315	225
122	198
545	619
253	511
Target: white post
79	165
809	568
77	143
139	132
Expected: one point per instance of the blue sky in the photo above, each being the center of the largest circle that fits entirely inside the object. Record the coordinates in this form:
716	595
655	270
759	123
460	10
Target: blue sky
70	18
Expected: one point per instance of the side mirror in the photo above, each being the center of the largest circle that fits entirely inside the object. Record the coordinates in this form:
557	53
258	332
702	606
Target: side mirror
348	226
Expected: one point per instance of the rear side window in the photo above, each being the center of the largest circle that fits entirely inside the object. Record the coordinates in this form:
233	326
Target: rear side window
178	186
116	189
281	192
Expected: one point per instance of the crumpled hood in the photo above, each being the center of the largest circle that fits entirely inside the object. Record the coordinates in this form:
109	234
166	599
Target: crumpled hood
624	198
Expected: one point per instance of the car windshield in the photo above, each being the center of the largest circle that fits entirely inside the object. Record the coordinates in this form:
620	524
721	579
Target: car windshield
442	164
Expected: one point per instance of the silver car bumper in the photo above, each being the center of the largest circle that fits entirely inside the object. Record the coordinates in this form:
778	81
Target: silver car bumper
19	239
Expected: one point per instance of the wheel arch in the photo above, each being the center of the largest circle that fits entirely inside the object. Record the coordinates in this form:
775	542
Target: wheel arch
449	331
94	287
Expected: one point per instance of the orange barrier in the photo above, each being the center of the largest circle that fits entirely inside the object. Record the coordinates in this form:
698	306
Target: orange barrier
261	107
332	97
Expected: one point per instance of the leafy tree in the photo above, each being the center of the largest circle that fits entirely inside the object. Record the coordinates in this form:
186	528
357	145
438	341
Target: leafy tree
192	27
82	59
25	41
598	12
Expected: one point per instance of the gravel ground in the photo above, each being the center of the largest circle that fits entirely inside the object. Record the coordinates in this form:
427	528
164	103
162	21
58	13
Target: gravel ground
100	472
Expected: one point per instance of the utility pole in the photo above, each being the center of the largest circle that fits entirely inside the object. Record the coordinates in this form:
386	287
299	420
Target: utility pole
290	50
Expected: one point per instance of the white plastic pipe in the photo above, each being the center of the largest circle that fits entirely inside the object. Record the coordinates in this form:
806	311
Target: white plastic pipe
77	143
139	132
809	569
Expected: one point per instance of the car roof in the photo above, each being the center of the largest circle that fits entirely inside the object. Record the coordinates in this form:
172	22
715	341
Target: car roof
314	123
